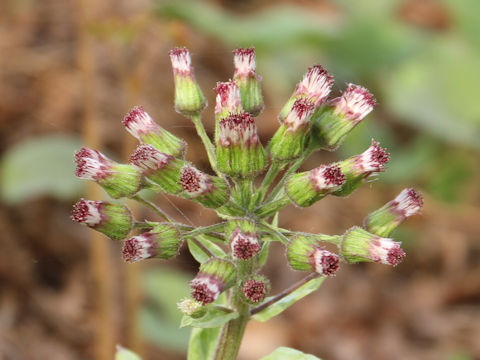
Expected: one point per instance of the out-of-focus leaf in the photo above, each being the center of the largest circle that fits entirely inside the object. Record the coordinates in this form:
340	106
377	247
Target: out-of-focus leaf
214	317
465	15
436	91
199	253
276	27
289	300
40	166
124	354
283	353
263	256
160	317
203	343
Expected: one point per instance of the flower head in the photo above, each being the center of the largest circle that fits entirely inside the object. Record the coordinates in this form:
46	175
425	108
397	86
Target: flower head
299	115
181	61
244	61
195	182
355	103
315	85
373	159
111	219
327	177
148	158
228	100
254	289
408	202
214	276
92	164
325	262
244	245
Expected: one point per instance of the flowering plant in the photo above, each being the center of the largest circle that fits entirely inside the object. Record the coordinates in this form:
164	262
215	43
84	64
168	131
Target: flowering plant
229	288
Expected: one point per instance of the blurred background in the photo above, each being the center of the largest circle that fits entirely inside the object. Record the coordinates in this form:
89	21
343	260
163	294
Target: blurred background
70	70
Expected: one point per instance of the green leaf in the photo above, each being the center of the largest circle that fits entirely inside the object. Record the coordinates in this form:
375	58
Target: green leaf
263	256
289	300
203	343
436	91
160	317
40	166
215	316
124	354
283	353
199	253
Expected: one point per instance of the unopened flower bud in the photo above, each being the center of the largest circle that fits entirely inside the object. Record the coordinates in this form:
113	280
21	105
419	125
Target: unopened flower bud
210	191
192	308
332	125
360	167
243	239
254	289
158	167
239	150
228	102
307	187
359	245
162	242
111	219
118	180
306	254
147	131
214	276
189	99
315	87
248	81
288	142
386	219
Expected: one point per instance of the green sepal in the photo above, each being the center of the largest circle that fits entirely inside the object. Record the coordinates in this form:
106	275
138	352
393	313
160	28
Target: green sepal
383	221
165	142
286	144
329	129
301	190
251	94
299	253
189	99
241	161
168	176
168	240
124	181
116	220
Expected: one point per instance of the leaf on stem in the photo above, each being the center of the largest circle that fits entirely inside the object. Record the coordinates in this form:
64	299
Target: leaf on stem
203	343
215	316
202	249
284	303
289	353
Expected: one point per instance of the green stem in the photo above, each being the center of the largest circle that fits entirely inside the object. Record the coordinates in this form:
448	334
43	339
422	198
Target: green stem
203	230
294	167
272	207
212	157
271	174
272	229
154	207
231	335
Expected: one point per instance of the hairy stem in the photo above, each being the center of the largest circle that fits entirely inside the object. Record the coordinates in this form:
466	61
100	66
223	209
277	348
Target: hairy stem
212	157
152	206
203	230
271	174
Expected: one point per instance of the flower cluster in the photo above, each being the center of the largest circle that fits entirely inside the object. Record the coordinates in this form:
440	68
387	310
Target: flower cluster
233	252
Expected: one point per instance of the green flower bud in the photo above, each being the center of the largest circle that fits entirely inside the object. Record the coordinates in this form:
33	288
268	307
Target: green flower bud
315	87
386	219
214	276
239	150
248	81
330	126
358	245
141	125
159	168
306	188
254	289
210	191
111	219
289	141
360	167
118	180
243	239
163	242
189	99
306	254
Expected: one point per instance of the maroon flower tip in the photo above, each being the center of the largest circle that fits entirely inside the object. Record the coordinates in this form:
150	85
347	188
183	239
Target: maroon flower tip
91	164
87	212
379	155
205	290
325	262
178	51
133	116
235	120
355	103
238	129
244	51
395	255
408	202
302	107
333	175
139	247
244	245
320	72
254	290
147	157
190	179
